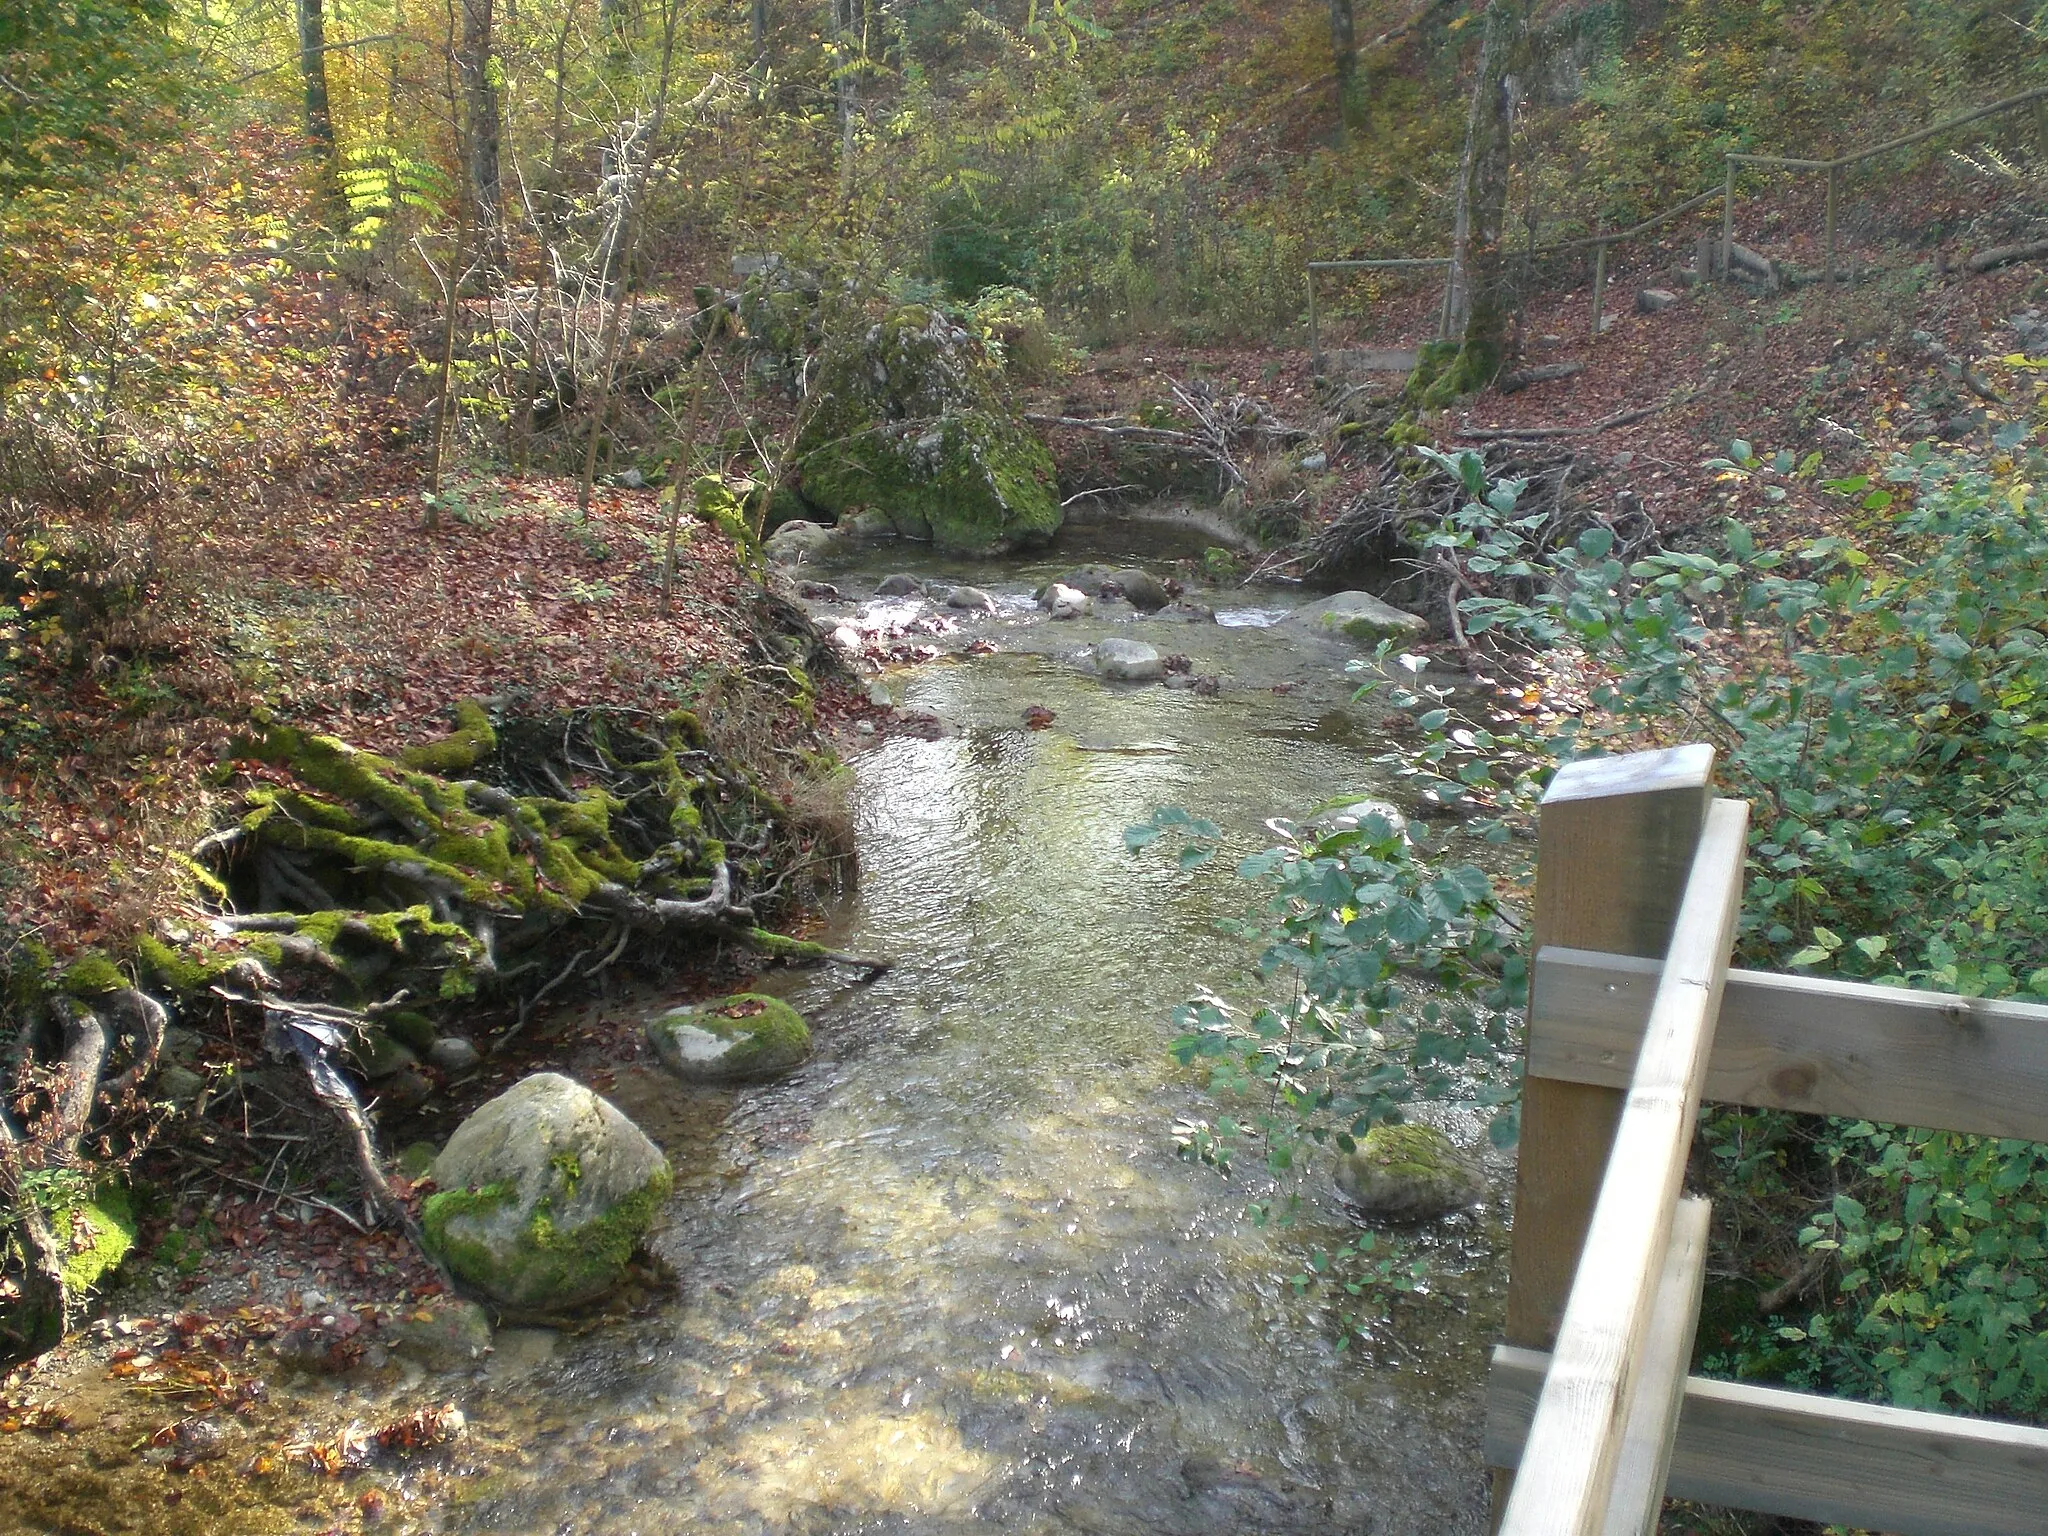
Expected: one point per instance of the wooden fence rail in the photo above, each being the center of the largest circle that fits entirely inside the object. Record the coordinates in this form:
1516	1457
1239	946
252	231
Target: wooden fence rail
1635	1018
1722	250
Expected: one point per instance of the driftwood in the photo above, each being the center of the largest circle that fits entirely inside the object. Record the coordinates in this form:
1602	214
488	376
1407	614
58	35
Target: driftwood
1522	378
2005	255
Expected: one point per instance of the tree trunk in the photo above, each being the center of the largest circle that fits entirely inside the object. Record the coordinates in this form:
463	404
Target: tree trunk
481	95
846	87
1344	57
313	66
1481	297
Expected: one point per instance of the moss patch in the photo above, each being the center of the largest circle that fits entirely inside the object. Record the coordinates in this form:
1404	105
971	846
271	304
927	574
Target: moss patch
97	1236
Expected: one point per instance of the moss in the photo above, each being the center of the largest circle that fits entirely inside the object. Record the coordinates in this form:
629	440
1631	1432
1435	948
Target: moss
340	770
97	1234
184	972
414	1031
549	1266
91	975
460	750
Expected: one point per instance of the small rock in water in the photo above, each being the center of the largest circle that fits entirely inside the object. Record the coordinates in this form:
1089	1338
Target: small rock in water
442	1333
878	695
1355	616
864	727
818	591
1088	579
900	585
799	540
1129	661
848	639
971	598
1068	602
1142	590
1188	611
731	1039
1409	1173
1180	662
1184	681
1208	687
1037	717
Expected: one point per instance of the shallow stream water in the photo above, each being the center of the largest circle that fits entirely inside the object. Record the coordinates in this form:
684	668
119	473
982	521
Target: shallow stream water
950	1275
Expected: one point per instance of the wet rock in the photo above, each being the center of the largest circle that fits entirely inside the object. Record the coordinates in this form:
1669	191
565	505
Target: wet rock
1129	661
971	598
1355	616
1409	1173
1356	814
377	1056
847	639
817	591
454	1055
1187	611
798	541
416	1159
1067	602
443	1333
878	695
408	1088
1142	590
1089	579
545	1192
900	585
1651	301
1037	717
867	524
731	1039
1184	681
1208	687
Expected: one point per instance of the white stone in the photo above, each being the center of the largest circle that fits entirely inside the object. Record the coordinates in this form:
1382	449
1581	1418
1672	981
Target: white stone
1129	661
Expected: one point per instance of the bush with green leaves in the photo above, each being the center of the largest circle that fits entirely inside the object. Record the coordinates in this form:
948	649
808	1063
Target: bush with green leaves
1880	696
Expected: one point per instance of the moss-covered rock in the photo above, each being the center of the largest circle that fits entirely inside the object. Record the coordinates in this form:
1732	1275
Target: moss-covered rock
1409	1173
911	421
544	1194
731	1039
1358	617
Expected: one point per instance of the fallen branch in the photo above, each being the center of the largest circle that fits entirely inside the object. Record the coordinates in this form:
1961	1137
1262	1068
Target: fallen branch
2005	255
1538	434
1957	368
1522	378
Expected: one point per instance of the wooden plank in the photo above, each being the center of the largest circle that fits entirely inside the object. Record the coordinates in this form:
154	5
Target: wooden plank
1575	1440
1645	1461
1817	1458
1617	839
1805	1043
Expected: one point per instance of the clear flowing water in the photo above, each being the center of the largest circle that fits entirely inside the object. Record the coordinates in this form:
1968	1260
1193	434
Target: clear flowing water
951	1275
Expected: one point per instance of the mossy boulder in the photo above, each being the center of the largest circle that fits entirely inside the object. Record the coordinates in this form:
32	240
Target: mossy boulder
1358	617
731	1039
911	422
544	1194
1409	1173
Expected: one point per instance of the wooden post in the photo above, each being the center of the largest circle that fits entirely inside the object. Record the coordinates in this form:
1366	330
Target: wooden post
1615	845
1727	222
1834	180
1599	284
1315	346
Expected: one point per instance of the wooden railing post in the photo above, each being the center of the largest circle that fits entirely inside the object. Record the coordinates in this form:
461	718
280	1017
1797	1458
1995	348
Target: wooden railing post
1616	842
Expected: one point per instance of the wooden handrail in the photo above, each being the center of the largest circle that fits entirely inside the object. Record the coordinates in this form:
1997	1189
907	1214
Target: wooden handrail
1575	1441
1809	1043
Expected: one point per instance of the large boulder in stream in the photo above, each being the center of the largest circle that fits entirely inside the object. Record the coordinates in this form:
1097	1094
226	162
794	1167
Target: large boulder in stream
911	421
731	1039
544	1194
1358	617
1409	1173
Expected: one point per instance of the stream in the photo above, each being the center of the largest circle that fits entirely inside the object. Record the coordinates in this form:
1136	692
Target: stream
951	1275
